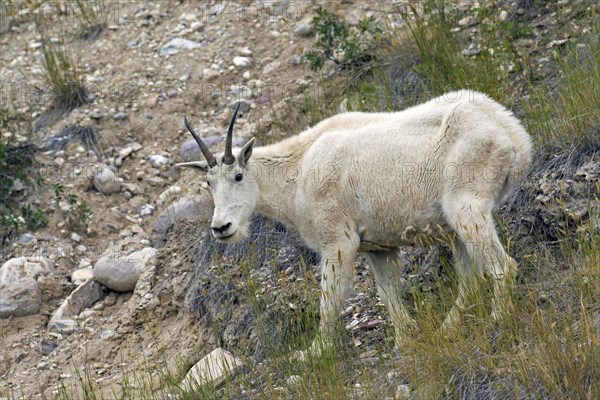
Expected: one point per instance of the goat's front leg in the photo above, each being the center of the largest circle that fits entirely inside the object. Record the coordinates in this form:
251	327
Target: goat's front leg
336	279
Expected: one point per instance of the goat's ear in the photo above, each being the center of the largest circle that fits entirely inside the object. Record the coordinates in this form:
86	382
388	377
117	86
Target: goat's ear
246	152
201	165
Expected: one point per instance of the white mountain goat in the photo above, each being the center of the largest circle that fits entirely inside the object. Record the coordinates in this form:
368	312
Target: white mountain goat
369	183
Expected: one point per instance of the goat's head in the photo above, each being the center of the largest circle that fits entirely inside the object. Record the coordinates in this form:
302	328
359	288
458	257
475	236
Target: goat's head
235	192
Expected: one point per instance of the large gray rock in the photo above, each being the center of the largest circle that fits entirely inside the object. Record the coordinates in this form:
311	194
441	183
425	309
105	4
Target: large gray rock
189	151
188	207
121	272
213	368
20	293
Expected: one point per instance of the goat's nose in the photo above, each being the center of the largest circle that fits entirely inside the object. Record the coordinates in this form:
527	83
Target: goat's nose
221	229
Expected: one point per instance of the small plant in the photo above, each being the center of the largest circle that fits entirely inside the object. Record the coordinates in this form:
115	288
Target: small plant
93	14
340	43
14	162
75	212
62	75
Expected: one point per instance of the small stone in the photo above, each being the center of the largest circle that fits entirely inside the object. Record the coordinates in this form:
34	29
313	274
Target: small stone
303	29
213	368
185	77
47	347
120	116
106	335
246	75
174	45
157	161
242	62
105	180
146	210
81	275
96	114
151	101
26	238
62	326
75	237
210	74
43	365
403	392
270	67
503	16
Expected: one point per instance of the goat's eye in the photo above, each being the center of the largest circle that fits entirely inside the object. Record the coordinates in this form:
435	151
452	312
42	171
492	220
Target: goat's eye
239	177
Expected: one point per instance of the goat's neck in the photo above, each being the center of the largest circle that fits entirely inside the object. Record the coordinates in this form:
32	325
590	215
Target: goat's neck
276	181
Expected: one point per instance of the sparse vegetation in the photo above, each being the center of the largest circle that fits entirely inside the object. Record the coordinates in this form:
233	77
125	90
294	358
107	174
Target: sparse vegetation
62	75
337	41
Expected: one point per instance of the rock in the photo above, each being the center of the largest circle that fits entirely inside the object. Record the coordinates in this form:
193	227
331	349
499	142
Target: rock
270	67
185	208
189	151
210	74
151	101
62	326
503	16
75	237
81	275
244	106
105	180
403	392
120	116
108	334
242	62
146	210
84	296
47	347
303	29
157	160
174	45
121	273
20	293
26	238
213	368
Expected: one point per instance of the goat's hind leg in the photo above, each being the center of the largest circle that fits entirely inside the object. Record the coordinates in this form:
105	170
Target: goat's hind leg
387	271
482	251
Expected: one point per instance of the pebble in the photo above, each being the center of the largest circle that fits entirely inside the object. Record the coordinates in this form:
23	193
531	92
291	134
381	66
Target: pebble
210	74
403	392
303	29
75	237
174	45
105	180
242	62
26	238
108	334
157	161
146	210
120	116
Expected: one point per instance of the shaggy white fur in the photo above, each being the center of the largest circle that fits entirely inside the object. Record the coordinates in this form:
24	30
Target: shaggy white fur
369	183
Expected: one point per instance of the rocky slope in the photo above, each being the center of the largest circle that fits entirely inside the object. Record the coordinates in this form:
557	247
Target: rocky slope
157	302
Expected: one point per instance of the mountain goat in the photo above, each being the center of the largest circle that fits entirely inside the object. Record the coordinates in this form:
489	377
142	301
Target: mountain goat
371	182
